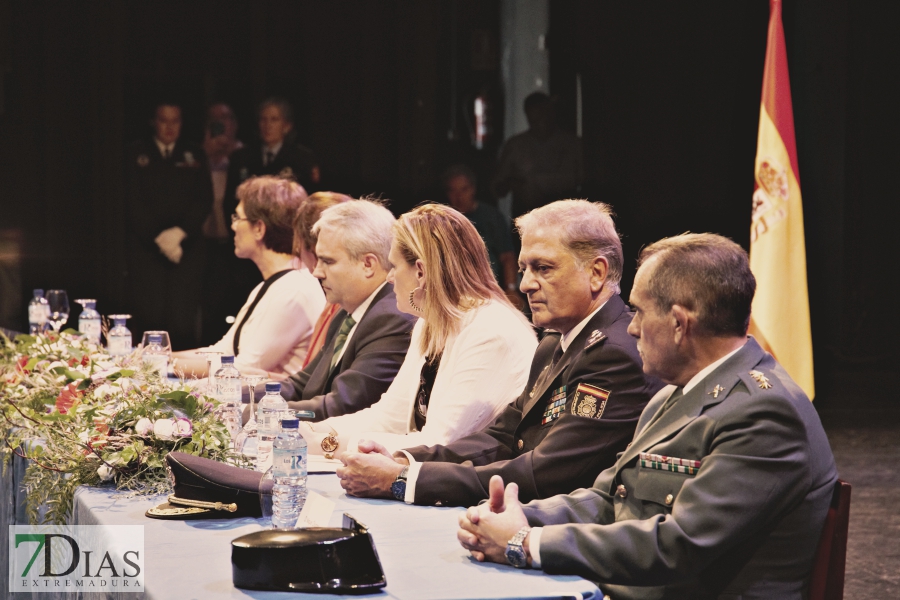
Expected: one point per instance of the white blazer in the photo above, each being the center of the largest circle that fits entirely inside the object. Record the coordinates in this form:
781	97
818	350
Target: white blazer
483	368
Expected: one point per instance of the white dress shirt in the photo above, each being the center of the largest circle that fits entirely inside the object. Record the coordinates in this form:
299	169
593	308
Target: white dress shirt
165	150
276	336
483	368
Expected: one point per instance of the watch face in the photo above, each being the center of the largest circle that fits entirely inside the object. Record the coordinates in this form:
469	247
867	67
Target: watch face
516	556
398	489
330	443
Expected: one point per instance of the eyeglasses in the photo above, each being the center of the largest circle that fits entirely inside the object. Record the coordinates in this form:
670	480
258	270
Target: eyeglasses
235	218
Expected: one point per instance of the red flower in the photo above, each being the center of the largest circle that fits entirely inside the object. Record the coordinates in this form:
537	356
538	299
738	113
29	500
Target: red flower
85	361
20	364
73	361
68	397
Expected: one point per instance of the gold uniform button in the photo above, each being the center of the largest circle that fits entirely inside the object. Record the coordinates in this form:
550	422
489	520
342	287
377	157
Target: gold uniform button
606	598
520	444
621	492
670	499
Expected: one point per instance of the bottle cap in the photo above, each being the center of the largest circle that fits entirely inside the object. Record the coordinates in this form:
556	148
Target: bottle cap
227	360
155	338
291	423
273	387
38	293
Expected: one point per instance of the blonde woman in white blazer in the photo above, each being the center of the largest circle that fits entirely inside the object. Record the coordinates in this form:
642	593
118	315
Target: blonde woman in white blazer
470	351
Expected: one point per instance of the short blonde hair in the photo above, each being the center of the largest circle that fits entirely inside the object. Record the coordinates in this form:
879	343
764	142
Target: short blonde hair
457	270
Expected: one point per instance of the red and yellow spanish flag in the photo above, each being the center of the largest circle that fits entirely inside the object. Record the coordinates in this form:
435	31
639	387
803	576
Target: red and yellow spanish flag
780	319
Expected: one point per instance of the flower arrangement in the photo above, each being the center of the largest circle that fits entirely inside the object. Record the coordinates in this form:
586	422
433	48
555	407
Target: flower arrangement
82	417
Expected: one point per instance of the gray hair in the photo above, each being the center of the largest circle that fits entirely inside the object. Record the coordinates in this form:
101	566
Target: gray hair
365	226
585	228
706	273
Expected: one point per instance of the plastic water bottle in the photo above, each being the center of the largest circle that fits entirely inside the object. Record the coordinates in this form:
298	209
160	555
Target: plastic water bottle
119	336
289	472
89	320
38	313
156	356
269	411
228	393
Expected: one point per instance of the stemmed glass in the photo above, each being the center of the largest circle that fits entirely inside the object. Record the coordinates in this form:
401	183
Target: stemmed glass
245	441
164	335
210	376
59	308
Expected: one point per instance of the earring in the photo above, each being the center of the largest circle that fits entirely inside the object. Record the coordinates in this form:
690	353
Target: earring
412	302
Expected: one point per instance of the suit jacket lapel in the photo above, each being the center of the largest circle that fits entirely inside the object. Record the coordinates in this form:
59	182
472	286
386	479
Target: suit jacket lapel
600	321
319	378
712	390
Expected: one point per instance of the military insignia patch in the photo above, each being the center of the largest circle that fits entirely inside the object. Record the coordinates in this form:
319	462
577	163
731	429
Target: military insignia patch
286	172
596	337
761	379
555	406
589	401
669	463
143	160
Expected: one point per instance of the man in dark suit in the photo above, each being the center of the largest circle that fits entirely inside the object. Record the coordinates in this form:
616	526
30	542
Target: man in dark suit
725	487
168	195
368	338
584	394
274	154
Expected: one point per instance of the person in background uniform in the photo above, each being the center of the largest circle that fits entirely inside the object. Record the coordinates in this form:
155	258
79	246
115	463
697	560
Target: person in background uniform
219	142
584	395
723	491
368	338
541	164
274	154
460	187
168	197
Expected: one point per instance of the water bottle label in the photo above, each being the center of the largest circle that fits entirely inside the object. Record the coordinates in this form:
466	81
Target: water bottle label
120	345
90	328
288	465
263	454
37	313
228	390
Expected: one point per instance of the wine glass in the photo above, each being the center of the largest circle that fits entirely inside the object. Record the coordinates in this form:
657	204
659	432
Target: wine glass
246	441
59	308
165	342
210	376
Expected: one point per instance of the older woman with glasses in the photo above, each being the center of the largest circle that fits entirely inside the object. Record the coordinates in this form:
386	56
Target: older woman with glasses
273	329
470	350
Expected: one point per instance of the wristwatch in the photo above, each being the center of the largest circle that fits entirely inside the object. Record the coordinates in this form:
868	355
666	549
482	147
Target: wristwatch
398	488
329	444
515	552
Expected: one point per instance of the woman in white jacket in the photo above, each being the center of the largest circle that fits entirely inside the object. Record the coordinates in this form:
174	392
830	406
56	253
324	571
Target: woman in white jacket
470	350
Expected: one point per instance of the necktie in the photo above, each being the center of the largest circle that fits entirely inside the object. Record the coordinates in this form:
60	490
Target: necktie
269	158
341	339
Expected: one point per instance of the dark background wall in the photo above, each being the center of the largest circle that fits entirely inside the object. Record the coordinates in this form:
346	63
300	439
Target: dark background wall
671	103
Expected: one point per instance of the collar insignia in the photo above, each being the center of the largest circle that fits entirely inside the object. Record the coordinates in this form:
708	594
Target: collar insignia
761	379
716	391
596	337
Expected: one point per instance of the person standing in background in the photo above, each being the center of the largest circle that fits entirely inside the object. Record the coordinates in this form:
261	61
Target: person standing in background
461	188
542	164
167	199
274	154
220	141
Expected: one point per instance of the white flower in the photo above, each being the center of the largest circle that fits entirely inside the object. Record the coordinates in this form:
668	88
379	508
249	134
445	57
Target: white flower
184	427
103	390
164	429
143	427
105	473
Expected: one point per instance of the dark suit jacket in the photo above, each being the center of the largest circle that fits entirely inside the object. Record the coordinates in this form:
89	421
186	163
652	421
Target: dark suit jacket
370	362
292	161
565	453
745	525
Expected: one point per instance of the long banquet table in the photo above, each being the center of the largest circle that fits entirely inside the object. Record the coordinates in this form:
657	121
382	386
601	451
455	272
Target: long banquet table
417	546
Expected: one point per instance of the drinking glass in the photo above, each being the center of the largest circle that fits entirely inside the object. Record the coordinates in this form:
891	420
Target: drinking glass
246	441
59	308
210	376
165	343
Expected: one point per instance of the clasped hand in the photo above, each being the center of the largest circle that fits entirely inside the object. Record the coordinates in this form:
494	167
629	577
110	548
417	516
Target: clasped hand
169	243
370	472
484	530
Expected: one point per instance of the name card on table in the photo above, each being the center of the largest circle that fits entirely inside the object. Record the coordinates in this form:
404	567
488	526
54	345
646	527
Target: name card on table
316	512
